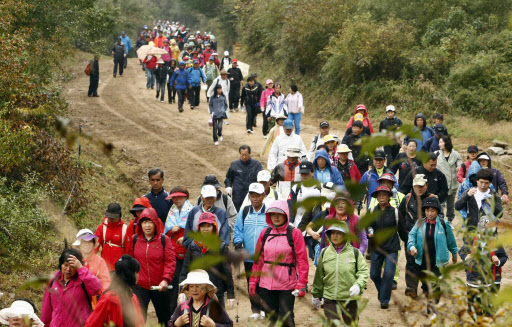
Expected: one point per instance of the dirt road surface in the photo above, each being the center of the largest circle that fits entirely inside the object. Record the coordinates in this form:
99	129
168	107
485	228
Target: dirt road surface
157	135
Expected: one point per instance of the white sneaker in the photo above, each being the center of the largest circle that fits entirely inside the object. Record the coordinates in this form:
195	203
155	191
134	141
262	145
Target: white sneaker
255	316
221	138
265	136
432	317
226	122
251	132
162	101
216	143
248	131
262	314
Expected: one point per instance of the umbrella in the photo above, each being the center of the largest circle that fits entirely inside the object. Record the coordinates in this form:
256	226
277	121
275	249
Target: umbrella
149	50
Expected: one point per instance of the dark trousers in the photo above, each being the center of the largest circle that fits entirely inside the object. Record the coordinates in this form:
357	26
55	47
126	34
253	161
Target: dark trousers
391	153
264	127
118	62
160	90
217	128
125	63
310	245
255	300
176	285
348	311
171	93
181	98
234	95
251	114
161	302
278	304
411	275
193	95
256	112
383	281
93	85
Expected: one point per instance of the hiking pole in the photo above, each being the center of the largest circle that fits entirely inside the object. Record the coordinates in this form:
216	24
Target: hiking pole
237	292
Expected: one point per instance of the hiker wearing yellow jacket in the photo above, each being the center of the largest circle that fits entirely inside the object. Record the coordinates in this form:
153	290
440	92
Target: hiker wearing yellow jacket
341	274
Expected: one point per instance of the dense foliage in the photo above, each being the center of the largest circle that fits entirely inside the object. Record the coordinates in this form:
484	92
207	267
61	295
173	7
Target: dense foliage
448	56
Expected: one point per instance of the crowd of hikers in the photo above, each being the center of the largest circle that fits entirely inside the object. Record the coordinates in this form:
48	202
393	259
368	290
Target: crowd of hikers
263	216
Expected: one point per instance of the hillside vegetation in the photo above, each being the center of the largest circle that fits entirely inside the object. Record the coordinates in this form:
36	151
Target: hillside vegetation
423	56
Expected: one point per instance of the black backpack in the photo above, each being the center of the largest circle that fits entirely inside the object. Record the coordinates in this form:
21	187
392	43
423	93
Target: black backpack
162	239
248	209
289	237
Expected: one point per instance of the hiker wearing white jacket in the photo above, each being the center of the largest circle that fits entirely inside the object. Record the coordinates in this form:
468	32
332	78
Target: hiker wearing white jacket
280	146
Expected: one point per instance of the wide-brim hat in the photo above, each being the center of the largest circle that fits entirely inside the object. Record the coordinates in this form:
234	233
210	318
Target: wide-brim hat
293	151
20	308
343	148
281	116
381	188
160	61
199	277
224	72
341	226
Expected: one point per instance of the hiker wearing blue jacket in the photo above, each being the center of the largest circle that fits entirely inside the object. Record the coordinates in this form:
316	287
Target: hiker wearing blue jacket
372	176
251	220
195	74
324	172
420	121
127	45
208	197
180	81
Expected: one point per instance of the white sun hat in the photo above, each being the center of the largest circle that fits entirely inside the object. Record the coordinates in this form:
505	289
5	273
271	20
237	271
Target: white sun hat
20	309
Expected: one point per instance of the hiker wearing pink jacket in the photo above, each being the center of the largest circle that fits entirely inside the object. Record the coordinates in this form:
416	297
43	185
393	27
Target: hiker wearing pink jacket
282	266
269	89
67	299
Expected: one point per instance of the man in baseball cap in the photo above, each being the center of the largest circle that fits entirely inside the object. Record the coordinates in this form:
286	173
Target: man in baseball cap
391	122
264	178
288	170
279	148
432	144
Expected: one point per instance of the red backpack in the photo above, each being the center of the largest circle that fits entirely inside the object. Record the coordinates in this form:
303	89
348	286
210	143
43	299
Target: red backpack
87	70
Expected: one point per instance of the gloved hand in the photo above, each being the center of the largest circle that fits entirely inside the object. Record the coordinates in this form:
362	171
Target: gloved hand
239	246
229	190
354	290
231	303
316	303
300	290
182	297
252	289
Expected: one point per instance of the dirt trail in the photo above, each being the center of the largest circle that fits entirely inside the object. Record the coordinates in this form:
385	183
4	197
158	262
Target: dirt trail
156	134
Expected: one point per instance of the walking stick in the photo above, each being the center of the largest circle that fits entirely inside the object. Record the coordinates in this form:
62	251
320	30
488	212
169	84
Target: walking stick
237	292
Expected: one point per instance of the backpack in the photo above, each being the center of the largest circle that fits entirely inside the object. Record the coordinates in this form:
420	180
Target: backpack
87	70
178	74
396	213
162	240
289	237
247	209
123	234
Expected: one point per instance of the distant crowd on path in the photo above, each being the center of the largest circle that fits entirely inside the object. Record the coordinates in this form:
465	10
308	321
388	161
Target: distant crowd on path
263	211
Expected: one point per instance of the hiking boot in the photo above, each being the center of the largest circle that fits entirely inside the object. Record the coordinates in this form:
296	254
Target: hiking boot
411	292
191	107
180	109
384	305
114	75
254	125
96	96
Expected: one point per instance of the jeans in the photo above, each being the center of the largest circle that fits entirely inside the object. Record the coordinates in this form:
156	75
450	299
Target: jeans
278	304
256	300
193	95
150	74
383	282
217	128
160	87
161	302
175	285
181	98
118	62
450	206
251	113
296	121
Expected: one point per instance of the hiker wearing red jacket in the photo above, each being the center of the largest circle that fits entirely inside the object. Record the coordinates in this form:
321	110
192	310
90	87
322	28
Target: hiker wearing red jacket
112	236
361	109
155	253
